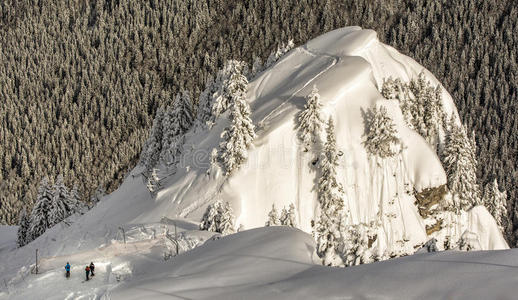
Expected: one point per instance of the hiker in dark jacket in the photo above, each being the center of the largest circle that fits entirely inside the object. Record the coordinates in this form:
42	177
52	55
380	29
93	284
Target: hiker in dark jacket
92	267
87	270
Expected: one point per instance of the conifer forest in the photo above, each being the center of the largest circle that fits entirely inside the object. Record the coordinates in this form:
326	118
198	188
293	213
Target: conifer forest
81	81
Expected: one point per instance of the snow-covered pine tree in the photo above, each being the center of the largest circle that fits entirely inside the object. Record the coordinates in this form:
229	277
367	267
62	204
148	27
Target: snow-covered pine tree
204	112
459	162
427	108
257	67
276	55
238	137
153	182
23	228
153	146
420	103
331	202
469	241
75	202
228	78
356	249
226	219
273	217
211	217
288	216
218	218
396	89
389	88
382	138
61	207
40	216
178	119
496	203
311	122
97	196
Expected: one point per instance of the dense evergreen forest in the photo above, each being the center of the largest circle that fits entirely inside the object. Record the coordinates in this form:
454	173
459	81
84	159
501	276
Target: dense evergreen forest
80	81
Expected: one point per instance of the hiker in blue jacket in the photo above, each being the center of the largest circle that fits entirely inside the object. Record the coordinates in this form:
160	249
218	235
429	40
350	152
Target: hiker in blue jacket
67	269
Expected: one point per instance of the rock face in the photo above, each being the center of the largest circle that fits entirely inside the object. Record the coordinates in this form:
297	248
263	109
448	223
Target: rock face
348	67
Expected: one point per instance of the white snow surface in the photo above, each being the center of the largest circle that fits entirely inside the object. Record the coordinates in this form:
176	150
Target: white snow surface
7	238
348	66
265	263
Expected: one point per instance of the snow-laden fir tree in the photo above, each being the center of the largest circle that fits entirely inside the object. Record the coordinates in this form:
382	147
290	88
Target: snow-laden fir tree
331	202
257	67
178	119
459	162
469	241
40	219
273	217
382	138
420	103
427	108
153	182
23	228
226	219
356	249
390	88
153	146
230	80
395	89
75	200
204	112
276	55
218	218
288	216
238	137
496	203
61	207
100	192
210	219
311	122
431	245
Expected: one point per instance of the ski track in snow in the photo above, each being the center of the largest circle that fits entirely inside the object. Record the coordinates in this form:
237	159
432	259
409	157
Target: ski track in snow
276	111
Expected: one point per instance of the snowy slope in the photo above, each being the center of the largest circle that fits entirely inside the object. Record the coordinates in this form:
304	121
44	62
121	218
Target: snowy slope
276	263
268	263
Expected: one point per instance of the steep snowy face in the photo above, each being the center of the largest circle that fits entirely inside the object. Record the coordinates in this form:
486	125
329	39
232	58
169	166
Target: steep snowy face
348	67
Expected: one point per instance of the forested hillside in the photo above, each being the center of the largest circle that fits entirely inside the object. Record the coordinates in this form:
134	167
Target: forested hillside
80	81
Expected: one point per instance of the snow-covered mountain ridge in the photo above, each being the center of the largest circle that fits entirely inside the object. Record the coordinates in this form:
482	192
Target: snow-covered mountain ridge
349	67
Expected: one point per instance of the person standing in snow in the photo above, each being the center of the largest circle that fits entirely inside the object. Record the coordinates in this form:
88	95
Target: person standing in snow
87	270
92	267
67	269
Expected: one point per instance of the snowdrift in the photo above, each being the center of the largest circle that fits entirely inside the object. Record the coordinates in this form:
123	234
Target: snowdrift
276	263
